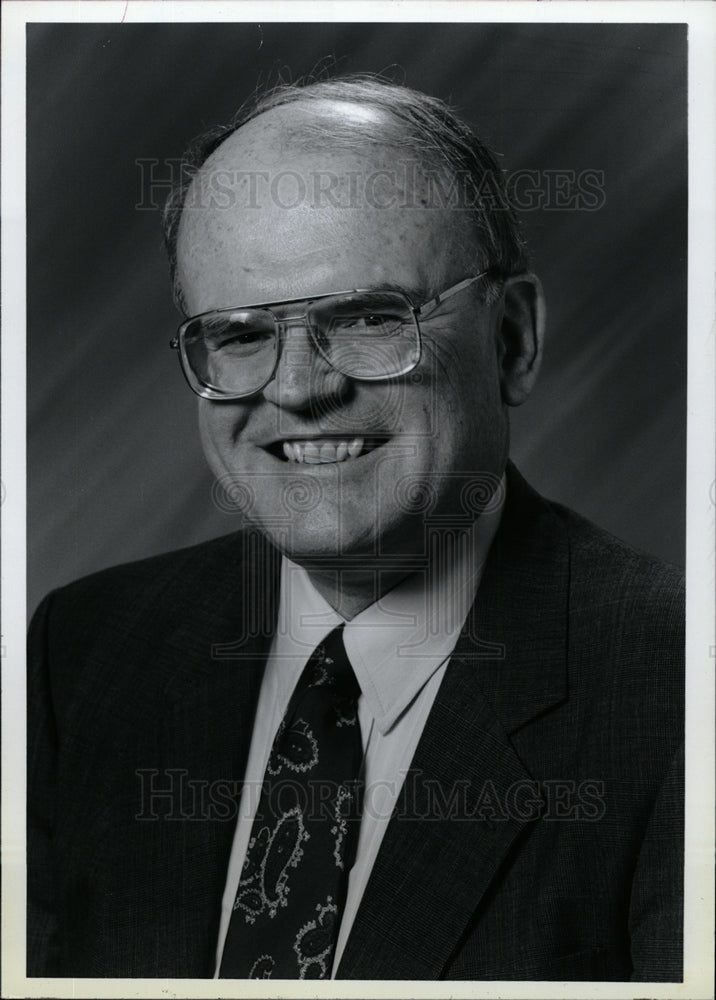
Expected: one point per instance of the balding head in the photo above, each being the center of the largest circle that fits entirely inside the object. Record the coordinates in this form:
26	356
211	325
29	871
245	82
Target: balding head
306	186
391	125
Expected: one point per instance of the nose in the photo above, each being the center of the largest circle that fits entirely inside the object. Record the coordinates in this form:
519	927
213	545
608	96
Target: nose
303	379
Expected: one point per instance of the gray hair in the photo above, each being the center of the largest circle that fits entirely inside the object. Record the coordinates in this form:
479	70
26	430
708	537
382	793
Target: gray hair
409	119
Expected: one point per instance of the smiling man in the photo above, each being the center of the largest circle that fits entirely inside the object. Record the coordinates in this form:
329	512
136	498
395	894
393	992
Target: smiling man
353	402
413	721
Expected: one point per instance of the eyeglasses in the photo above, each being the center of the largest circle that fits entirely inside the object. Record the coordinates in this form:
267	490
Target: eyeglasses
365	334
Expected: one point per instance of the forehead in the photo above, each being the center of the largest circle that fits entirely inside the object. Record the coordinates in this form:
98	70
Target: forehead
278	211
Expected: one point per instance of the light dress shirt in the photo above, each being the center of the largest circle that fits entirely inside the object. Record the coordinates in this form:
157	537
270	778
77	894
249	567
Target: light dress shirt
399	648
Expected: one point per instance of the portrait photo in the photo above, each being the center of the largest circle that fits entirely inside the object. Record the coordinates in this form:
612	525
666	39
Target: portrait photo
362	413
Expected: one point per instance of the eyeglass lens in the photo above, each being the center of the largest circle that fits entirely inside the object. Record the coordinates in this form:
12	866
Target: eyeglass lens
363	335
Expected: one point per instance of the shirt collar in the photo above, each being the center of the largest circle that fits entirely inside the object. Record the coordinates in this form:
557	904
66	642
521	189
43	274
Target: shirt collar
396	644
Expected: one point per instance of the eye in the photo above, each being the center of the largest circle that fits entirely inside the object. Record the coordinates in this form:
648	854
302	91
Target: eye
373	319
242	338
384	323
237	336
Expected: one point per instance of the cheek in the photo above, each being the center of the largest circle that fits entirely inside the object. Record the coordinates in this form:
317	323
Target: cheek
220	426
452	389
465	409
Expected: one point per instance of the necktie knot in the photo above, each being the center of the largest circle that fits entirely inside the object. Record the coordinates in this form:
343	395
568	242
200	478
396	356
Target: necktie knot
331	667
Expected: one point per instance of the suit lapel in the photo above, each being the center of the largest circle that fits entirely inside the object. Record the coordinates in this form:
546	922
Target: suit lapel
457	816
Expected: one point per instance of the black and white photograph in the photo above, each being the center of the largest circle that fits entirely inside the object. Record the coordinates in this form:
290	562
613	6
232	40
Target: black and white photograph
362	362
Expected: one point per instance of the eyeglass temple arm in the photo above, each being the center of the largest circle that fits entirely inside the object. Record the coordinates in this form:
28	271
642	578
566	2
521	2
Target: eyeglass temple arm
434	303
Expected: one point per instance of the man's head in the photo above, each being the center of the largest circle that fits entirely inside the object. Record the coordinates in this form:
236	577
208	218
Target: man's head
358	185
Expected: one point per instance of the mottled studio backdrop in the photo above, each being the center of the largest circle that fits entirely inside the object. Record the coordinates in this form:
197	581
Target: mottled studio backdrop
115	470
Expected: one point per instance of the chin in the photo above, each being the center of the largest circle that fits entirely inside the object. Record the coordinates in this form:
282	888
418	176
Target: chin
307	539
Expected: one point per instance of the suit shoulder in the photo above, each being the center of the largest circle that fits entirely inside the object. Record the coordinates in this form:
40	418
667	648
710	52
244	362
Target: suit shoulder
155	582
605	570
160	567
625	642
121	628
626	628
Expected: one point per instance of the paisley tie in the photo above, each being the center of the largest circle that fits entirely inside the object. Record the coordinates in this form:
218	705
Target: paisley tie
290	899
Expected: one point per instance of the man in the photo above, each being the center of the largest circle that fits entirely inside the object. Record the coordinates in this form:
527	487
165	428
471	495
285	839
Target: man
414	722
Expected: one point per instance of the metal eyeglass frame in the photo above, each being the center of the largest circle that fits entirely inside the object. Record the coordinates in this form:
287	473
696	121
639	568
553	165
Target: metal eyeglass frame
177	342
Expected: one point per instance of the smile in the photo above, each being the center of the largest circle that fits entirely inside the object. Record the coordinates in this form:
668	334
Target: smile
324	451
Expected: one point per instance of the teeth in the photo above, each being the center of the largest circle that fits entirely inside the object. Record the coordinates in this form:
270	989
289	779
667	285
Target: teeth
312	453
322	452
355	447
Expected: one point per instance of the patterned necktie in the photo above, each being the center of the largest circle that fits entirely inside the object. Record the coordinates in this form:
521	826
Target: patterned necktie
293	884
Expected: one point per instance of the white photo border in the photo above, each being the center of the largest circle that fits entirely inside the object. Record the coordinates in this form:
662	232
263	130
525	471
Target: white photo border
701	484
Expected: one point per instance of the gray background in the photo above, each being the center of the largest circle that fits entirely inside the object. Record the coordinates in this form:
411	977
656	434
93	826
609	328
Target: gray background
115	470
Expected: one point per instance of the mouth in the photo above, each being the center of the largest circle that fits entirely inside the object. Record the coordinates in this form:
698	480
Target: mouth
324	450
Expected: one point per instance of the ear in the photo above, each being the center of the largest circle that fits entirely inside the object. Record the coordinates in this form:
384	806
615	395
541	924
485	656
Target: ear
520	333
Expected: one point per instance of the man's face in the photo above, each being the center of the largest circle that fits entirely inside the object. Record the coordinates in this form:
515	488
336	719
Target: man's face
415	439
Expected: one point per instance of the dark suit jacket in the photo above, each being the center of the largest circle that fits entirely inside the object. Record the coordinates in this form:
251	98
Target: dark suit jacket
538	835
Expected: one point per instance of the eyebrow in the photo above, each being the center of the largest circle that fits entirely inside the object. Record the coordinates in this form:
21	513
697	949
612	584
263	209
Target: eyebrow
417	294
